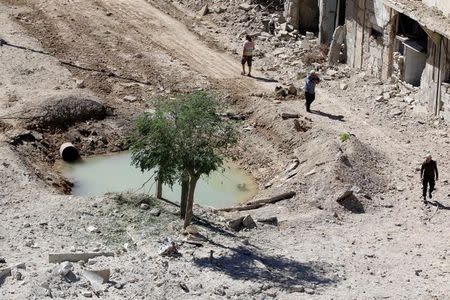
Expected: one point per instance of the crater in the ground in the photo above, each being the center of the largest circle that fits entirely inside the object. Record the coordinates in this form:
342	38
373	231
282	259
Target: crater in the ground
114	173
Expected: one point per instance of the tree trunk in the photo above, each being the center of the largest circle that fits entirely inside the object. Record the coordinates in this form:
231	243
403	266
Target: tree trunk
190	201
158	189
184	196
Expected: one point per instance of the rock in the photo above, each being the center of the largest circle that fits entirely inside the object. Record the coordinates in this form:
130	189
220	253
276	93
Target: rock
155	212
245	6
409	99
2	260
386	96
379	99
292	90
93	229
80	83
297	289
145	206
16	274
130	98
248	222
309	35
396	112
184	287
350	202
280	91
204	11
312	172
65	268
87	294
191	229
169	248
343	86
236	224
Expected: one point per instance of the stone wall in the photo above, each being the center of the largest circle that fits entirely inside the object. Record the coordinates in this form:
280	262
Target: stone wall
302	14
370	36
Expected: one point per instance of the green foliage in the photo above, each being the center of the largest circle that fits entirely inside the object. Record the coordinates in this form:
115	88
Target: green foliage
185	135
344	136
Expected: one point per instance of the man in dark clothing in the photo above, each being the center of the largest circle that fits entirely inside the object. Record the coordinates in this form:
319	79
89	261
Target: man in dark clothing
427	175
310	85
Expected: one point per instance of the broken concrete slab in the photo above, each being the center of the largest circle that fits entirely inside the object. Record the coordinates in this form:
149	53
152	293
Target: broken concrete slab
97	277
7	271
285	116
269	220
76	257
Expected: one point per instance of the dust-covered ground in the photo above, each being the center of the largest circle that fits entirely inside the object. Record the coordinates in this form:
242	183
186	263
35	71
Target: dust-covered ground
382	242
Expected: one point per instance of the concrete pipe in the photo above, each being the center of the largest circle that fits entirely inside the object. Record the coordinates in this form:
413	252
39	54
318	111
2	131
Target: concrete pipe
68	152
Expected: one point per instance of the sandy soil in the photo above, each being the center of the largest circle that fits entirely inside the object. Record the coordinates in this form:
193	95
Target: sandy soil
397	249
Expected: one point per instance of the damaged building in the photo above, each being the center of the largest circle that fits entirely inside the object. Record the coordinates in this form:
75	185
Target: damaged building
406	40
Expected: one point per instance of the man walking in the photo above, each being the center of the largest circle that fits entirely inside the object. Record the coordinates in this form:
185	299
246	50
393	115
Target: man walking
310	85
427	175
247	55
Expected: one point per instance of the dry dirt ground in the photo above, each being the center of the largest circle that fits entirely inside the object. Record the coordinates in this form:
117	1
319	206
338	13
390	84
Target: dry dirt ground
397	248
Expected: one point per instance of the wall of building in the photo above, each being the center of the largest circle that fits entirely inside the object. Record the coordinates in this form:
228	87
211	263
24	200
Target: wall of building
370	36
442	5
302	14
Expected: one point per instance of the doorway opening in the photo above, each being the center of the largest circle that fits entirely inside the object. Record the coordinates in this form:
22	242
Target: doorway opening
412	43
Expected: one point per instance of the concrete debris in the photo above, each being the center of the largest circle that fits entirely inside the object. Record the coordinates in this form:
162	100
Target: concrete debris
169	248
87	294
16	274
80	83
130	98
241	223
337	45
292	90
5	272
75	257
145	206
285	116
343	86
155	212
269	220
93	229
204	11
248	222
246	6
350	202
97	277
65	268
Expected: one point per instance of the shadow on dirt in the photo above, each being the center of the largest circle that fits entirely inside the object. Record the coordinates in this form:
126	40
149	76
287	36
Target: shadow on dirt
339	118
439	205
264	79
244	264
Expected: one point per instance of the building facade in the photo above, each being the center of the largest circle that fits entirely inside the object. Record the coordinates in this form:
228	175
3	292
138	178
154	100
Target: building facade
407	40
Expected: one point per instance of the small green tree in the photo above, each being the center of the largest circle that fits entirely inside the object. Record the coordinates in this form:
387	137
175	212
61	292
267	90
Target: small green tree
147	154
184	140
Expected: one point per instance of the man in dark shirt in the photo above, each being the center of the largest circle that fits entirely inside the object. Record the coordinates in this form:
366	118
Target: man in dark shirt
427	175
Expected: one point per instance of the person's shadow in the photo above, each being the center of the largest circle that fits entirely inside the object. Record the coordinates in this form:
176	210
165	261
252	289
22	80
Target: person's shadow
439	205
263	79
339	118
